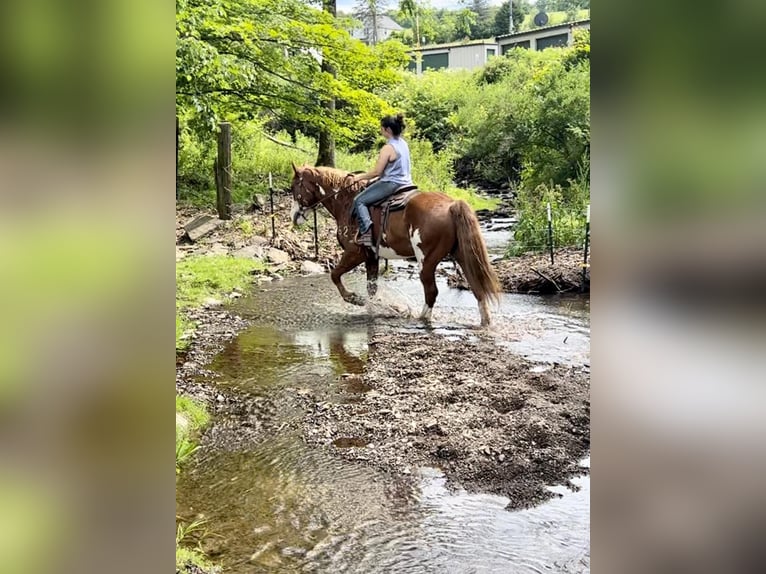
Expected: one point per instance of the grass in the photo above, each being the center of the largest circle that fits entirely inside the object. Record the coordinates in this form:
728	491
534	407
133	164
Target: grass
186	557
200	277
191	417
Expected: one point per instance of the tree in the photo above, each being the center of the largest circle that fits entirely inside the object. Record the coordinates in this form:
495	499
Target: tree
264	58
369	12
410	8
483	24
326	155
520	9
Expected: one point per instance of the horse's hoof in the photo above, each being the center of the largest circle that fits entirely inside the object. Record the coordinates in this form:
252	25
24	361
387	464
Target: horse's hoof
355	299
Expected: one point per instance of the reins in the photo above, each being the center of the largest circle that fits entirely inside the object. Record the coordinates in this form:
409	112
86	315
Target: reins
315	204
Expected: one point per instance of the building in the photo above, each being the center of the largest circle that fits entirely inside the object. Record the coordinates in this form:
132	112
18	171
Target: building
386	26
455	56
541	38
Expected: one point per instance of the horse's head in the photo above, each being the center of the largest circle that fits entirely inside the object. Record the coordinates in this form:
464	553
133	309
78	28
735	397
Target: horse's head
307	192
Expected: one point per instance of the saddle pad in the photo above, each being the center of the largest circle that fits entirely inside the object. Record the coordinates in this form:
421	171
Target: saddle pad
398	200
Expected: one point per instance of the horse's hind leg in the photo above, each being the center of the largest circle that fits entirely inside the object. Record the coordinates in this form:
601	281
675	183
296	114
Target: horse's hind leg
372	265
350	259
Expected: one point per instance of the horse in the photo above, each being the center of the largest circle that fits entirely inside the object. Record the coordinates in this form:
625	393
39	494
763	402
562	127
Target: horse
430	228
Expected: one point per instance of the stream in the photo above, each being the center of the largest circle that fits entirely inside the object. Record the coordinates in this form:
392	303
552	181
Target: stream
279	505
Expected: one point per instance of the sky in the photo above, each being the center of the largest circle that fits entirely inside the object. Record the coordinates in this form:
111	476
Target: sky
347	5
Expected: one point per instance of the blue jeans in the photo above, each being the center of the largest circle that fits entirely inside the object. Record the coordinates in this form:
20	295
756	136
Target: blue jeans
378	191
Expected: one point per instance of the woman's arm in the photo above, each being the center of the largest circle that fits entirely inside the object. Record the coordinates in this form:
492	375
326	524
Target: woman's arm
387	153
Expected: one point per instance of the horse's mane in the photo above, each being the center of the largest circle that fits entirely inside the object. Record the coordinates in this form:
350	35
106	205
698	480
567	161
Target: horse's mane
334	178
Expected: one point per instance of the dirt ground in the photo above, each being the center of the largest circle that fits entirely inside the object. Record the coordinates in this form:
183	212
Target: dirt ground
492	421
487	418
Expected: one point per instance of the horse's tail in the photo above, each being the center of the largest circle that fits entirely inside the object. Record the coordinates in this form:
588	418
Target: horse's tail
472	254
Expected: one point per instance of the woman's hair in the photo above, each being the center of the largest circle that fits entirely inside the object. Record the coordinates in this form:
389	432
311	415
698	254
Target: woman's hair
396	123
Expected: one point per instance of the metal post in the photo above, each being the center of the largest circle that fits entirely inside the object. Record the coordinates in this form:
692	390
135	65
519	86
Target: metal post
271	202
550	232
587	237
316	237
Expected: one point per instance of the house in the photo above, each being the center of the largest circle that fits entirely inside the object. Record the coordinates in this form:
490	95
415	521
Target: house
455	56
541	38
386	26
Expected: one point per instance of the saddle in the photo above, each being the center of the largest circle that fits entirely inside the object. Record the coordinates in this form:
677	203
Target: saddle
380	211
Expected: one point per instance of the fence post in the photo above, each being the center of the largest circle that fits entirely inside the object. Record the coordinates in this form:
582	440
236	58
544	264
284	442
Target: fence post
271	203
223	171
550	231
178	134
587	237
316	237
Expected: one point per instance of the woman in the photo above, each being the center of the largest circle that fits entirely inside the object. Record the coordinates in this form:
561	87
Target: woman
393	168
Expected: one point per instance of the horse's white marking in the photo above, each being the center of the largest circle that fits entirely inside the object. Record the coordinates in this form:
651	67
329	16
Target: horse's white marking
388	253
296	214
486	319
416	243
426	312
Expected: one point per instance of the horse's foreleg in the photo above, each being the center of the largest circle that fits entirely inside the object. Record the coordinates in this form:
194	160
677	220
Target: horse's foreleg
372	265
428	279
350	259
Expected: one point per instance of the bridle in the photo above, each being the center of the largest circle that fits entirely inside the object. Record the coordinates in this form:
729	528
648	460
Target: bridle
314	205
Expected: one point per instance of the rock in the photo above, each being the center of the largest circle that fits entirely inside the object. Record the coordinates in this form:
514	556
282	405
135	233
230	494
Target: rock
200	226
182	421
311	268
277	256
249	252
212	302
218	249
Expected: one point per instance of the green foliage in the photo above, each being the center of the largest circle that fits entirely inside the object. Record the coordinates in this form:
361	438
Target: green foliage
191	417
554	17
529	119
568	207
192	560
184	327
261	58
193	410
204	276
200	277
520	9
254	156
430	102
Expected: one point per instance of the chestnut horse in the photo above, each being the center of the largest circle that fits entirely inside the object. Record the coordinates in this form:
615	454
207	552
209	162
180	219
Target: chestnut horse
431	227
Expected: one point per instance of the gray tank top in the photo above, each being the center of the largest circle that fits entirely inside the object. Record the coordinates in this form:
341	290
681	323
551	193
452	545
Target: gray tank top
398	171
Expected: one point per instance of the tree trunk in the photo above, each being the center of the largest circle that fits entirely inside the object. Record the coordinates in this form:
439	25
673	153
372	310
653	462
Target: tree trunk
326	155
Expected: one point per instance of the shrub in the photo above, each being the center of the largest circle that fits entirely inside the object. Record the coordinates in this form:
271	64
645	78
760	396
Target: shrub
568	206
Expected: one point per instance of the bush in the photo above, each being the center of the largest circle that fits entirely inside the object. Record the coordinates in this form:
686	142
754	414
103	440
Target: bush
528	118
568	208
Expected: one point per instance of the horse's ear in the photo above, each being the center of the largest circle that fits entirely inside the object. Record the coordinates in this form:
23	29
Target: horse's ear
295	169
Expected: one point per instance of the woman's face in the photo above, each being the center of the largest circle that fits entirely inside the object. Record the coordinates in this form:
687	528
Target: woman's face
386	132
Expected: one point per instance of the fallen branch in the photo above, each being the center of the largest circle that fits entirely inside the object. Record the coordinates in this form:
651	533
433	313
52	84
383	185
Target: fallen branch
544	276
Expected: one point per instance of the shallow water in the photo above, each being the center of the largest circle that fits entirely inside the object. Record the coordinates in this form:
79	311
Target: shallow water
282	506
